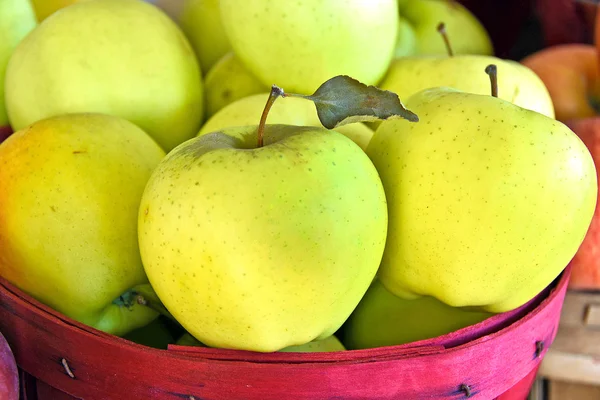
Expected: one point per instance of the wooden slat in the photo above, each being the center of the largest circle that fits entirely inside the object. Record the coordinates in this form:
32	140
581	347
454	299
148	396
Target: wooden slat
577	340
558	390
592	315
563	366
576	306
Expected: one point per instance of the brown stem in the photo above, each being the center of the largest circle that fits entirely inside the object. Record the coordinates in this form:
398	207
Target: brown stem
276	91
154	305
492	71
441	28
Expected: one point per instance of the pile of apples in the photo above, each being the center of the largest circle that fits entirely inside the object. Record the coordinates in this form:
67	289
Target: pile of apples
571	72
142	193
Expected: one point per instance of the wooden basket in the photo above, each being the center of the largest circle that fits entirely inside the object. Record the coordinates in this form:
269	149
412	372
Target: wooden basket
61	359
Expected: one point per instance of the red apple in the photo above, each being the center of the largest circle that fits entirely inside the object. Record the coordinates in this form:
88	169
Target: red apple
586	263
570	72
566	21
9	378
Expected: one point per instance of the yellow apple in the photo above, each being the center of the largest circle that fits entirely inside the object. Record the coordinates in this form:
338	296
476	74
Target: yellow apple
45	8
516	82
383	319
71	190
227	81
261	248
290	110
298	45
119	57
488	201
17	19
200	20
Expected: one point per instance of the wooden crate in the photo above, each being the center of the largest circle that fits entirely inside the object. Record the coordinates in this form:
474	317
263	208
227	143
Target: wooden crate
571	368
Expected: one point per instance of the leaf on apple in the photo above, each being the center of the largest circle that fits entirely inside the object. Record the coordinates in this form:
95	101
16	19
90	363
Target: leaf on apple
343	100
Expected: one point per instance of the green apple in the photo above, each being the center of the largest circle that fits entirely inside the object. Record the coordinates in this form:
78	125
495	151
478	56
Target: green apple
17	19
290	111
488	201
519	84
71	189
330	343
241	243
406	44
200	20
467	34
383	319
227	81
156	334
45	8
300	44
119	57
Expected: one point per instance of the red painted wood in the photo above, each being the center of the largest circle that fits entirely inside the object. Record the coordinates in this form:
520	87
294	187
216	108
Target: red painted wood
491	362
9	375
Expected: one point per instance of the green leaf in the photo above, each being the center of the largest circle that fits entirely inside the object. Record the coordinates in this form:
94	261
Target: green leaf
343	100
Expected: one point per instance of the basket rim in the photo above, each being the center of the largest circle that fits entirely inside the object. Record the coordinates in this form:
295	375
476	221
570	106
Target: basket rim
500	324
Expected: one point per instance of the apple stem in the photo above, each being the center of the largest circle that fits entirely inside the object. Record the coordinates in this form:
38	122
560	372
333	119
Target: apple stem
441	28
145	295
492	71
276	91
159	308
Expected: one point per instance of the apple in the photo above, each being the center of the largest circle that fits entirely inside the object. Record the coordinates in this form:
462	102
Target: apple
17	19
71	189
488	201
570	72
251	234
301	44
227	81
468	35
383	319
330	343
119	57
200	20
9	375
565	21
585	272
519	84
292	111
156	334
45	8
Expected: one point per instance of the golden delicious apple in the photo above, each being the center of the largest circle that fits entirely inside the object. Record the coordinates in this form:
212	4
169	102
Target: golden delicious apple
120	57
227	81
517	84
467	34
383	319
300	44
263	248
330	343
488	202
17	19
71	190
200	20
45	8
291	111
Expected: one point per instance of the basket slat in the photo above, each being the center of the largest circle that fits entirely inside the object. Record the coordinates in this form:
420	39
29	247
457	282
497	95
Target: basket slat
105	367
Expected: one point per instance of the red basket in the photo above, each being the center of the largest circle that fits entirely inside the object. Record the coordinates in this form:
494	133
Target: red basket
61	359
